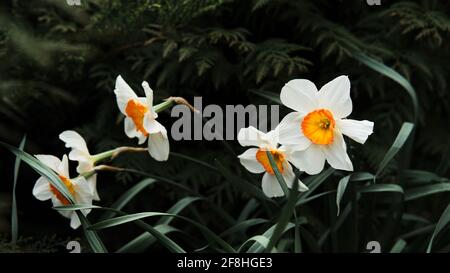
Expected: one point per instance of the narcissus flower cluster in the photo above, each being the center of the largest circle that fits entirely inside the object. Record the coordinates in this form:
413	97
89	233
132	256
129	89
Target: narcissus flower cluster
304	140
313	134
140	122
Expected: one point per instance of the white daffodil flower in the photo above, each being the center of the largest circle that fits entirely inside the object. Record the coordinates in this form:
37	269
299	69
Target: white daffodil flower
81	154
78	188
315	131
255	160
140	120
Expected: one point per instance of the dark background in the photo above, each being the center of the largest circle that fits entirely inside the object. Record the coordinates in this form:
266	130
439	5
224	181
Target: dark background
58	64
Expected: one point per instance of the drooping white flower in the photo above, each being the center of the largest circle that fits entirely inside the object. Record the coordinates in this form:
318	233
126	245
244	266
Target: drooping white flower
255	160
78	187
317	127
81	154
140	120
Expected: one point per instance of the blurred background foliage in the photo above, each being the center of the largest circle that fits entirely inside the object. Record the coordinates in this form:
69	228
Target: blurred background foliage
58	64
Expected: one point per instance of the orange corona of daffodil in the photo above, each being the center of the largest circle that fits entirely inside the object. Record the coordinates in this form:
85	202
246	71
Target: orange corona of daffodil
255	160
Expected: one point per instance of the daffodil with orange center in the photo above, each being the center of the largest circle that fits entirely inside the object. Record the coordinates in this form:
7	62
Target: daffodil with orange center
140	118
255	160
315	131
80	153
78	188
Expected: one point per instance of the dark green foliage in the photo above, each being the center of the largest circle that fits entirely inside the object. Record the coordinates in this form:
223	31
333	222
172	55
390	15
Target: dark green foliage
58	65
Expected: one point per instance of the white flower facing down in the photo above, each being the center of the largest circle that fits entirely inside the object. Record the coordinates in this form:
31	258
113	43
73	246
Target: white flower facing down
255	160
140	120
81	154
79	188
315	131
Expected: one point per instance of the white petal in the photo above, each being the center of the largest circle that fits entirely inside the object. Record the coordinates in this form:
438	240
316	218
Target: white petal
158	145
149	98
291	133
84	166
74	141
335	96
84	193
358	130
41	189
74	221
273	137
289	177
251	136
141	139
311	160
57	203
50	161
123	93
336	153
151	125
92	182
63	168
248	160
130	128
270	186
300	95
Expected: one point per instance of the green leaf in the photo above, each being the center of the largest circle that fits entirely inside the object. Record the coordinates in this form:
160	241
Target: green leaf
177	208
257	248
400	140
423	191
274	97
340	191
92	237
243	226
342	186
249	208
165	241
441	224
288	209
306	200
422	177
398	246
242	184
137	216
143	241
14	220
394	75
278	175
313	182
199	162
259	239
128	196
382	188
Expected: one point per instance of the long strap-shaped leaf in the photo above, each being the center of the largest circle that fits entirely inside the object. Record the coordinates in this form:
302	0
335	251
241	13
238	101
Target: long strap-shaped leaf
288	209
442	223
127	218
14	220
392	74
399	141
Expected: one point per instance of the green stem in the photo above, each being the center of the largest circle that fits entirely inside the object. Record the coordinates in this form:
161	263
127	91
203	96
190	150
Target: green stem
111	154
163	106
